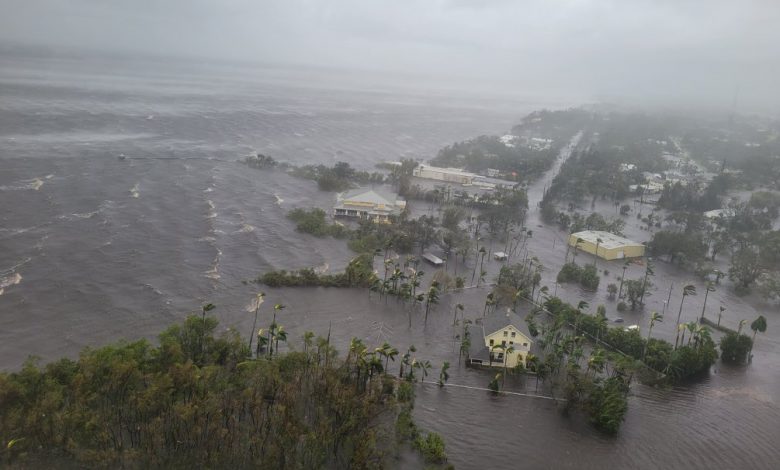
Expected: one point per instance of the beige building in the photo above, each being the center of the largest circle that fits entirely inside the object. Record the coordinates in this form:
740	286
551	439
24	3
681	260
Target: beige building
373	204
606	245
450	175
505	341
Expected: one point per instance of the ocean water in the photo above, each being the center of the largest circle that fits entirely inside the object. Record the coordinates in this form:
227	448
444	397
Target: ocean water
94	248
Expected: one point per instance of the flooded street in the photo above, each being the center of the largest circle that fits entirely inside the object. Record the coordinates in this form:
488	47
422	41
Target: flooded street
94	249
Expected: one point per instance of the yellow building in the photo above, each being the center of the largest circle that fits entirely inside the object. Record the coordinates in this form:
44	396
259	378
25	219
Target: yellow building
373	204
506	342
606	245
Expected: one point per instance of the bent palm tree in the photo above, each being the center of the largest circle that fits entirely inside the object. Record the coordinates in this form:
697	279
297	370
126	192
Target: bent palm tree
759	324
688	289
258	302
654	318
710	288
458	307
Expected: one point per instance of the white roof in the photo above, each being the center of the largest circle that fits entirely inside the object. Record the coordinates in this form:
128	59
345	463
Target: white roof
608	240
373	196
452	171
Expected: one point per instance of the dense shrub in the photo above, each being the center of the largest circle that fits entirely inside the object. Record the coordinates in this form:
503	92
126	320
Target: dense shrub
313	222
589	278
735	348
570	272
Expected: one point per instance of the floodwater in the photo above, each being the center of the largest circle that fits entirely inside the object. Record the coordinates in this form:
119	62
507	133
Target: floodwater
95	249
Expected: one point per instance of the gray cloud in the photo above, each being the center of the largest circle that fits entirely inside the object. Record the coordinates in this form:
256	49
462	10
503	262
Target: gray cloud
641	50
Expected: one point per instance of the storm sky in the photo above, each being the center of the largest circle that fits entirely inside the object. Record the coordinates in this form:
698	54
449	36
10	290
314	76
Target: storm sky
642	51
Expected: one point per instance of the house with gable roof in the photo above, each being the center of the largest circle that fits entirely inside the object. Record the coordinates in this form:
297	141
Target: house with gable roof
504	338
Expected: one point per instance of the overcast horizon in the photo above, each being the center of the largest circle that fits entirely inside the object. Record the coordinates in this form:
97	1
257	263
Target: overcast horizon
662	53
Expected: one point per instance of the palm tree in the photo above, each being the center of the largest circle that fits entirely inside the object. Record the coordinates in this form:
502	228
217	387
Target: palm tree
688	289
691	327
205	308
405	360
458	307
710	288
742	323
648	272
272	329
258	301
655	317
543	293
596	254
582	305
482	253
281	335
443	375
577	244
680	328
623	276
489	300
308	341
759	324
596	361
507	351
424	367
432	298
262	341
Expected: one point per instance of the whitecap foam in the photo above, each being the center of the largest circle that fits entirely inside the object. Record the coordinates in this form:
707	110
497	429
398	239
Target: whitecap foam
246	228
8	281
23	185
279	200
208	190
134	191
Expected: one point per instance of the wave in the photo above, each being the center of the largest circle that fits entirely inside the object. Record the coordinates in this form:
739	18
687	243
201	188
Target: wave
23	185
134	191
279	200
322	269
212	213
77	215
245	228
213	273
8	281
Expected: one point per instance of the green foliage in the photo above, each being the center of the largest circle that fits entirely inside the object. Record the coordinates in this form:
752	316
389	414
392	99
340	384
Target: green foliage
339	177
607	405
196	401
485	152
735	347
686	361
358	273
622	306
680	247
570	272
587	275
260	161
589	279
432	448
313	222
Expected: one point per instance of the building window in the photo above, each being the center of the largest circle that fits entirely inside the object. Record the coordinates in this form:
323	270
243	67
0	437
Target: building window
491	342
505	334
511	343
513	334
525	344
503	343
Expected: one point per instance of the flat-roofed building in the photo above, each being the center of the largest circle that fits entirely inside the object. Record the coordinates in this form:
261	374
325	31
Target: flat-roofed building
606	245
373	204
451	175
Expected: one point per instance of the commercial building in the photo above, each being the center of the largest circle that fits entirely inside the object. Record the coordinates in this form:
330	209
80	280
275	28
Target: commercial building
606	245
451	175
373	204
